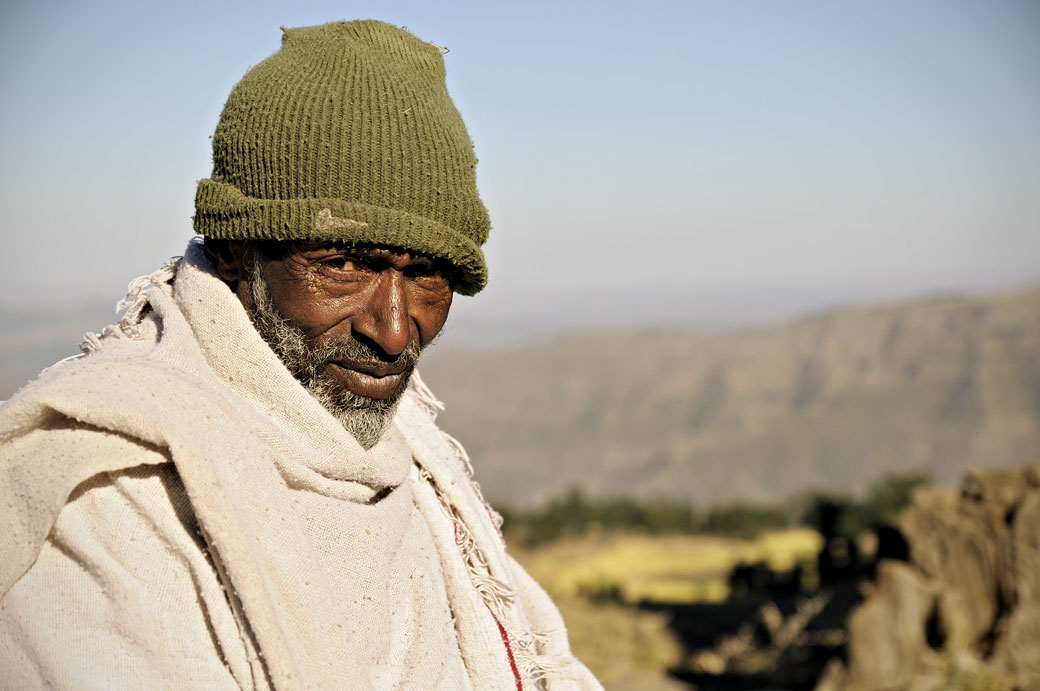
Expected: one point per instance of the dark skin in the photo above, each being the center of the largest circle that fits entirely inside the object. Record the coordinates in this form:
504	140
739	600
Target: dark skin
384	297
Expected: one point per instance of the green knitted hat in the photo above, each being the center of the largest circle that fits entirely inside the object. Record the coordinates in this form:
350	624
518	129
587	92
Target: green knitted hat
347	133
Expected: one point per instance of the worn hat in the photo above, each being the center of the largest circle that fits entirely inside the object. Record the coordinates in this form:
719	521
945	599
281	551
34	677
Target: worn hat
348	133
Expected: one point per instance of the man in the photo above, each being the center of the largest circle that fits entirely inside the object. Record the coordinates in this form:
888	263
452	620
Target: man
241	485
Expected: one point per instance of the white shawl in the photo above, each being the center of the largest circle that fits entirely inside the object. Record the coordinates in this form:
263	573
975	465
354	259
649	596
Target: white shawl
178	511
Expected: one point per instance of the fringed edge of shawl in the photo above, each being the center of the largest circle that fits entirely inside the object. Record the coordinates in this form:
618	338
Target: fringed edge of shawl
499	598
133	307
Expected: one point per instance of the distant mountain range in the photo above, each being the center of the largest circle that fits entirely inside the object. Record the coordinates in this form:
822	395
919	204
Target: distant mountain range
828	401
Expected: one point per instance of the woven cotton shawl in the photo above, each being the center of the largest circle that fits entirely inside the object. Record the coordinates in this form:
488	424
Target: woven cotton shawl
179	512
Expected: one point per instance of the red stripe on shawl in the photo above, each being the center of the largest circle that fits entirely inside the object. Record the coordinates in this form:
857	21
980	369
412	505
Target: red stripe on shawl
501	629
509	648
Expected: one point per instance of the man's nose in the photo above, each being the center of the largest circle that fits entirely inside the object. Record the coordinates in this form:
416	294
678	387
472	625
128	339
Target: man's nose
385	321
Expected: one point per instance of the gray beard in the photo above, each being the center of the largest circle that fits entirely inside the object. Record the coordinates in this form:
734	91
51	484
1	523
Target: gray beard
365	418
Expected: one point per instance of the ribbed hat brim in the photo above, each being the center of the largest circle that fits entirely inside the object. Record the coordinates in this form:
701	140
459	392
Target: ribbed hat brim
222	211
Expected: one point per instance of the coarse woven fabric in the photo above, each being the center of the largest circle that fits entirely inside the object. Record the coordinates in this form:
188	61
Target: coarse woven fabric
348	133
179	512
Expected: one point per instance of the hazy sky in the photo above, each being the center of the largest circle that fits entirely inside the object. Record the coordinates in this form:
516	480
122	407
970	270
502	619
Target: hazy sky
861	149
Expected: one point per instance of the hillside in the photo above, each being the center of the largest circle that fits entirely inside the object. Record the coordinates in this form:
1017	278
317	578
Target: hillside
833	400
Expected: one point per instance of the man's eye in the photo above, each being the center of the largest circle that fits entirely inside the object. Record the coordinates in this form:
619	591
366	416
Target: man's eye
429	277
341	263
423	270
418	271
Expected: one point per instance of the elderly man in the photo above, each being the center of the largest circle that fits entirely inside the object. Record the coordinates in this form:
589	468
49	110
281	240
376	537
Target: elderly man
241	484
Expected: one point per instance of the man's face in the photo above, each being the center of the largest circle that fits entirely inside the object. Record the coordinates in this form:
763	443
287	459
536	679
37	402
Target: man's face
349	322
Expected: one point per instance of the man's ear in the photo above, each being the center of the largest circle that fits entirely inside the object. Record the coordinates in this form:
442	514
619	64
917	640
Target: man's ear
228	257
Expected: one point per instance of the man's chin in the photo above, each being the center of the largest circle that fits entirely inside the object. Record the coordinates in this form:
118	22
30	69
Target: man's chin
367	419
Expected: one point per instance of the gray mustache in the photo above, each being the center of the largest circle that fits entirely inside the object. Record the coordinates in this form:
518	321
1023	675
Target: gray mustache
360	353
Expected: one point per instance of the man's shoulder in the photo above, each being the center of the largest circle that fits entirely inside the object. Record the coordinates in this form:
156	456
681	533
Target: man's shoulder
133	387
110	361
43	460
103	414
64	422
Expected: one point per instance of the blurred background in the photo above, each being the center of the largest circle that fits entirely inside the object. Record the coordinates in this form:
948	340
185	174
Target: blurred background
761	273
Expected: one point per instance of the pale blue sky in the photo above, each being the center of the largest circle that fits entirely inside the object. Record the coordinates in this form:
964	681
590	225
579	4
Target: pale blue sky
851	150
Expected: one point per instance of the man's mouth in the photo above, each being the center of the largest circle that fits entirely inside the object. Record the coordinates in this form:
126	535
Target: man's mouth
371	380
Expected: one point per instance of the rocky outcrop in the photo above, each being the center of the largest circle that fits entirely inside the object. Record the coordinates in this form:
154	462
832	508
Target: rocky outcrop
964	611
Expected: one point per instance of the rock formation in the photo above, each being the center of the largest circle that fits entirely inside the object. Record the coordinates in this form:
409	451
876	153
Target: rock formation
964	611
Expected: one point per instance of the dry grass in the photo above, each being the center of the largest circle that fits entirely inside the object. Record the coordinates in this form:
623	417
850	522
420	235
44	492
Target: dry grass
672	568
626	649
594	579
